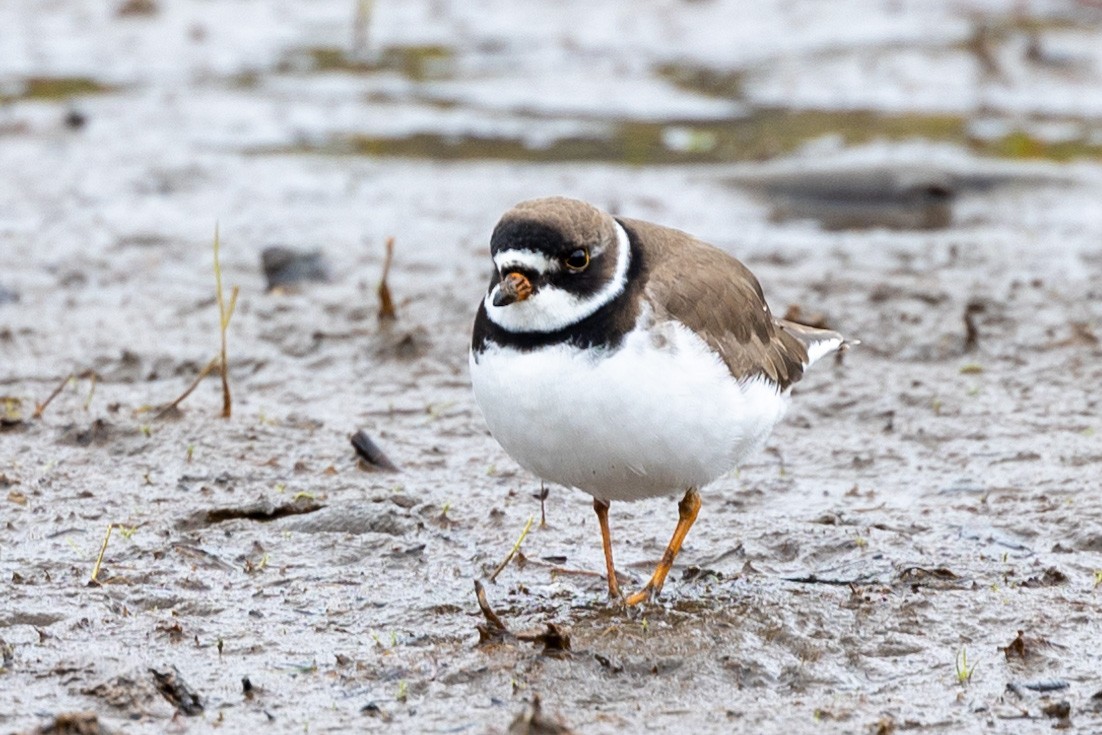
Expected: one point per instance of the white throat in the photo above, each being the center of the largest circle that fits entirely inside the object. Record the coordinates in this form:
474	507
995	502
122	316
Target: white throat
550	309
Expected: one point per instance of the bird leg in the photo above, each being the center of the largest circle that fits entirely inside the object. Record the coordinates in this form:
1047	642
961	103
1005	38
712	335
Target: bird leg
686	515
601	507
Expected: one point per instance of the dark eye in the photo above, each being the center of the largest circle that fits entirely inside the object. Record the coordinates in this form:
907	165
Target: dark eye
577	260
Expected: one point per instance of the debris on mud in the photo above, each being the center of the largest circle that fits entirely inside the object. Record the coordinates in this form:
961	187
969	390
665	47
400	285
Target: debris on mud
372	458
261	511
1027	648
971	331
386	303
933	577
135	693
284	267
1060	711
493	630
73	723
355	518
555	640
11	413
1051	577
371	709
98	433
532	721
173	688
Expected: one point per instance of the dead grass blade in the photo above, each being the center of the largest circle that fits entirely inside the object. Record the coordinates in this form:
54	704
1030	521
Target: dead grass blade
386	303
516	547
38	409
225	312
99	559
194	384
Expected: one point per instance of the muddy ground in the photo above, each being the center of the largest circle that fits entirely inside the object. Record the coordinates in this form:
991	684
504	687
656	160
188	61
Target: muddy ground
919	548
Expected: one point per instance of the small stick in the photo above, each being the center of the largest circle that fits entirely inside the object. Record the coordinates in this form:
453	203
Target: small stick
60	387
496	626
515	549
194	384
92	376
386	304
543	500
224	315
102	551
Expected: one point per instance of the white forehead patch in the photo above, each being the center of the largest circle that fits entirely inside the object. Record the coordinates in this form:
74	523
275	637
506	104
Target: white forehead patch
550	309
529	259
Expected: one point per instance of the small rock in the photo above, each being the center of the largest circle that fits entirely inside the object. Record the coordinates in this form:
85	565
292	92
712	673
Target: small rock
7	296
284	266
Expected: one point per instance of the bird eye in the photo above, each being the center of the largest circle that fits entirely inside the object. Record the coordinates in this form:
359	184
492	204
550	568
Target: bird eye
577	260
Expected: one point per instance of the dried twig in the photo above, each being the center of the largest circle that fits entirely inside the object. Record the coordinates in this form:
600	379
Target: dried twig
99	559
516	547
38	409
971	331
92	376
224	315
543	493
194	384
386	304
494	630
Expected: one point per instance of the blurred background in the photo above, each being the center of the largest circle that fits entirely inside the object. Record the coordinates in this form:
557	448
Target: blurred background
102	104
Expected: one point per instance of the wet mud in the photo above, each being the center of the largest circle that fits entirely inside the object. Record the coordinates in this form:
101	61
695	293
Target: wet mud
919	548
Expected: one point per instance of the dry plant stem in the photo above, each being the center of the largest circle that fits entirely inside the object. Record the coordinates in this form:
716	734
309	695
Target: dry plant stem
102	551
487	611
93	377
224	314
194	384
543	507
386	304
515	549
60	387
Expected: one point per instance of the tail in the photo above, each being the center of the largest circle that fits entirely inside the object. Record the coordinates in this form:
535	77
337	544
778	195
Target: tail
817	342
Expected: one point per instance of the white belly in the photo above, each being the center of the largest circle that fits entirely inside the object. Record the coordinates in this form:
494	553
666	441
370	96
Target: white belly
642	421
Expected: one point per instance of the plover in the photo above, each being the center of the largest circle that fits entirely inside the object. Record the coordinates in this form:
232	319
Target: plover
629	360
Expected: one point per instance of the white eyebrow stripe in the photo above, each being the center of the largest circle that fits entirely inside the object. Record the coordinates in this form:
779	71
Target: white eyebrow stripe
550	309
529	259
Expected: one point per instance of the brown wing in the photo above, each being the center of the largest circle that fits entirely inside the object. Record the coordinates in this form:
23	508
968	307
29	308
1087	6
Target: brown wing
719	298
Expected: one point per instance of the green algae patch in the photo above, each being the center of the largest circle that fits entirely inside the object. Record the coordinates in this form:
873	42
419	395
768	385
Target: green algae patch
56	88
704	80
419	63
762	135
1021	145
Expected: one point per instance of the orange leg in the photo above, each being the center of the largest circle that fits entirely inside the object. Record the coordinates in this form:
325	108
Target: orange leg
601	506
686	516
